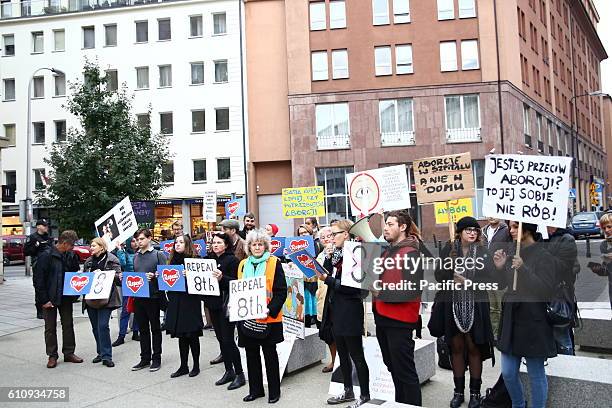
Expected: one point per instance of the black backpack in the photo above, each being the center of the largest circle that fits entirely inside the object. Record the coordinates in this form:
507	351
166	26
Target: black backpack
497	396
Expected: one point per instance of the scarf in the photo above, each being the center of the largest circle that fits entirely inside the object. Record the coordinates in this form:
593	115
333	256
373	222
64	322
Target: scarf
254	267
337	256
463	300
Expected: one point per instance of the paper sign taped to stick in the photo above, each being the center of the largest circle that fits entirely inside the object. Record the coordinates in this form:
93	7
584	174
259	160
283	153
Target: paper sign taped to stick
458	209
77	283
303	202
199	277
209	209
118	224
101	285
247	299
530	189
443	178
372	190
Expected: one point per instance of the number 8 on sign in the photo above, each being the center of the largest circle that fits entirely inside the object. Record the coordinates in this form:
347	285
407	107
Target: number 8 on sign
103	283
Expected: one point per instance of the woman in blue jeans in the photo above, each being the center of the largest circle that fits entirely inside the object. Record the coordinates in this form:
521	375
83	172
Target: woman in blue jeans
524	331
126	257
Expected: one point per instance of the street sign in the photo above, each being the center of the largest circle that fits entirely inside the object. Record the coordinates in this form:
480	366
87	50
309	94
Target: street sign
572	193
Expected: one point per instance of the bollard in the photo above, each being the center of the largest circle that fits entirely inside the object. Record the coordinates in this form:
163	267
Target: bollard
588	247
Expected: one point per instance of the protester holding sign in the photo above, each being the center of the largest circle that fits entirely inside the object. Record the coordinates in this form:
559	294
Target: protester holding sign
261	263
99	311
524	331
464	313
325	333
226	270
126	255
184	313
344	308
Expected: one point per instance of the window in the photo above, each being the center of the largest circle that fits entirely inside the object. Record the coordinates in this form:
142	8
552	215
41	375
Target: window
401	11
59	40
319	66
40	180
469	55
462	117
333	181
539	132
142	31
39	132
167	171
38	42
221	119
60	130
112	80
318	18
526	125
143	120
59	85
164	30
197	121
448	56
396	121
142	77
10	179
382	60
39	87
219	26
478	167
223	169
340	67
8	45
380	12
199	170
197	73
165	123
332	125
110	35
403	59
89	37
220	71
446	9
9	89
337	14
467	8
195	26
9	133
165	76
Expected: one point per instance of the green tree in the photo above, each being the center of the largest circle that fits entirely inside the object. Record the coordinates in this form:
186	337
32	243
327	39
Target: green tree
108	157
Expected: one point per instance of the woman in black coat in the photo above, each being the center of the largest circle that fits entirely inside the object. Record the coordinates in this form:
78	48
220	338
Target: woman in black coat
524	331
465	313
344	307
184	313
227	270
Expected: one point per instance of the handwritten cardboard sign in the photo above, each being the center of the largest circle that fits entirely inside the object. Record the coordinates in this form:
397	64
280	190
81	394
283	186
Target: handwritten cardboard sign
247	299
443	178
303	202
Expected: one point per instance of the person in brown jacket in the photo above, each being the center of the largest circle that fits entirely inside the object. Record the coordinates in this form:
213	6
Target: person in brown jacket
231	228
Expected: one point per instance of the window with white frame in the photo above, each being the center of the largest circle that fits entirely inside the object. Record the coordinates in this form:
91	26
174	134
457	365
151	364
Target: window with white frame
39	132
318	17
380	12
89	37
10	179
38	42
166	123
198	119
446	9
60	130
142	31
165	76
40	179
196	26
467	8
143	120
219	24
549	129
59	40
337	14
164	29
39	87
401	11
10	133
110	35
469	55
403	59
197	73
448	56
333	181
222	121
320	71
462	112
112	80
8	45
340	68
396	115
142	77
59	85
167	171
9	89
382	60
332	125
199	170
224	169
220	71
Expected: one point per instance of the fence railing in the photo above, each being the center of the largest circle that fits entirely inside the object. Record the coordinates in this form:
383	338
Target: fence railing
333	142
50	7
397	138
463	135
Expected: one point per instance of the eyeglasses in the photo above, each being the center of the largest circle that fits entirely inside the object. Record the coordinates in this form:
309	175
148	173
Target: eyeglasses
337	232
472	230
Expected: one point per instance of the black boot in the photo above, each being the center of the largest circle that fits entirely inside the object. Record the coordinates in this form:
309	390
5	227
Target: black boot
475	397
183	370
475	400
228	377
238	382
120	340
458	397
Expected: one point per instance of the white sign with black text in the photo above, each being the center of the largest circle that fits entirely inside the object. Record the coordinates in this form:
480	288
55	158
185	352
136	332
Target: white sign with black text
118	224
247	299
200	280
101	286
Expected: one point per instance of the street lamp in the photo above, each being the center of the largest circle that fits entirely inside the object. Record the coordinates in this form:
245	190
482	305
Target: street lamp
28	200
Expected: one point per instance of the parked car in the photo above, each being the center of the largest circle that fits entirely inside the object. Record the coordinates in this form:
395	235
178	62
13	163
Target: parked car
586	224
12	248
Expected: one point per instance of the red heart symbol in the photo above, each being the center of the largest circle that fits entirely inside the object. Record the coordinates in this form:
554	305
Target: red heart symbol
170	276
168	246
79	282
198	248
233	207
275	244
298	245
134	283
306	261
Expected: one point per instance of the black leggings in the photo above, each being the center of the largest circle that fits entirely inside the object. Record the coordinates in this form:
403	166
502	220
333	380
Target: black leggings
224	330
185	343
351	348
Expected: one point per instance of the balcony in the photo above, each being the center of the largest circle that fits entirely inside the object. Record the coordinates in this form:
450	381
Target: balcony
463	135
333	142
397	138
34	8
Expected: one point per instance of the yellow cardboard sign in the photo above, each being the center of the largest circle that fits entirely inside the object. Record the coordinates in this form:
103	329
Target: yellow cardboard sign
458	209
303	202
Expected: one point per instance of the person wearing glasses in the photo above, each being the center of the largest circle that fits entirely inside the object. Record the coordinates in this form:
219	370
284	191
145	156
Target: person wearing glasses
325	331
465	313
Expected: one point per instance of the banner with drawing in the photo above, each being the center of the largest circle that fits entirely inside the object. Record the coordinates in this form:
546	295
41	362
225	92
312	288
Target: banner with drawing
293	309
374	190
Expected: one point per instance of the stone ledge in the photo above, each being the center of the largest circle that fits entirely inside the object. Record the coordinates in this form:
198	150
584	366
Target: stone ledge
596	330
311	350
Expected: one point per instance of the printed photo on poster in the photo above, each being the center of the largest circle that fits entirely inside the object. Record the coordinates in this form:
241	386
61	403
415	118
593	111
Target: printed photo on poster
293	309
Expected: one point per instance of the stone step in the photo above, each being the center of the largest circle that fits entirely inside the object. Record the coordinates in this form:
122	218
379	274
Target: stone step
596	330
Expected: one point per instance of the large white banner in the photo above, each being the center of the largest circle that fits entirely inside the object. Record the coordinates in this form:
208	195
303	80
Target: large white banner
379	189
199	277
247	299
532	189
353	274
118	224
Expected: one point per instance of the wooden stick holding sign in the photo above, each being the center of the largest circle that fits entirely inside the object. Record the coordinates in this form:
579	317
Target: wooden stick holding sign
451	223
518	251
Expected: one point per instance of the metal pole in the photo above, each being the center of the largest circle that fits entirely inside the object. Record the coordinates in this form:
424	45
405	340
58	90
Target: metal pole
28	224
575	161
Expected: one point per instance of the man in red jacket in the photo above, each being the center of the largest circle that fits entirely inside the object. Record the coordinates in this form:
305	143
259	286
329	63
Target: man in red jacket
396	312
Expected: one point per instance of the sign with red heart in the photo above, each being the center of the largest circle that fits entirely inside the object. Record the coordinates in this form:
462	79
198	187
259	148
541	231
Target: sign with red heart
170	278
277	245
79	282
306	261
294	244
135	284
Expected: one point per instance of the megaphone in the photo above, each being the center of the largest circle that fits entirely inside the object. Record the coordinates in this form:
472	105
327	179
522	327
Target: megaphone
363	230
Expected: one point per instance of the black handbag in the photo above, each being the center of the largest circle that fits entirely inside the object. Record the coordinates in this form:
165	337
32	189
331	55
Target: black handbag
560	311
436	322
253	329
497	396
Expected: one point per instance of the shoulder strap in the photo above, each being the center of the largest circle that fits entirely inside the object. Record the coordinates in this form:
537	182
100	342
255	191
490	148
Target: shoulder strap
240	268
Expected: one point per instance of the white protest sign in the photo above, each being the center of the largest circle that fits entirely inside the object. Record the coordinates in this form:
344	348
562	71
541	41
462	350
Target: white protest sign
526	188
118	224
101	286
372	190
209	210
199	277
353	274
247	299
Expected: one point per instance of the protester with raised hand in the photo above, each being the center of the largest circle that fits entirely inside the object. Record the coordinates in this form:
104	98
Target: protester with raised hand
126	253
325	330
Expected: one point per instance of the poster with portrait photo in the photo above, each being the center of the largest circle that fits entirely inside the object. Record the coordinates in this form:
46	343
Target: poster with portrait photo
118	224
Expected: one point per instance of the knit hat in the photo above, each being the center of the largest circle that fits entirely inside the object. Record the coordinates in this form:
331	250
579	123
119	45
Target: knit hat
230	224
274	228
467	222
